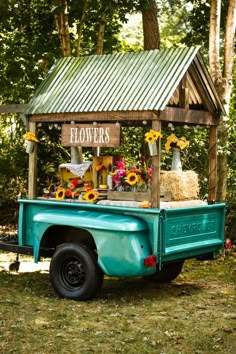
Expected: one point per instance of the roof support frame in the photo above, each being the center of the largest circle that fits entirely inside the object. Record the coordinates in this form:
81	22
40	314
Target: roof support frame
172	114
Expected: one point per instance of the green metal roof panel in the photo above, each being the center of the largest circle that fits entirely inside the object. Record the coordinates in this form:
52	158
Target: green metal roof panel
116	82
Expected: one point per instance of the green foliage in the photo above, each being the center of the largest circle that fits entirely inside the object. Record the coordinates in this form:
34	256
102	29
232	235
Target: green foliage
13	160
28	45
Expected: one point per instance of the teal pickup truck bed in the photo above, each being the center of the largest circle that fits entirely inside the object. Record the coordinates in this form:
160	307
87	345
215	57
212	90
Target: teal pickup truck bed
122	241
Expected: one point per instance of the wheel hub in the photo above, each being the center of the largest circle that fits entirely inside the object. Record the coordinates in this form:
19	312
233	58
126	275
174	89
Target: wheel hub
73	273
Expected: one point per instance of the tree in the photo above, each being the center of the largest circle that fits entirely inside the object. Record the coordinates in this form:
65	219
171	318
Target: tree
151	34
222	78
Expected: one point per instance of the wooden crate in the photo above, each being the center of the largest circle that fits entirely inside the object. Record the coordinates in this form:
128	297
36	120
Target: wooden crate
67	176
135	196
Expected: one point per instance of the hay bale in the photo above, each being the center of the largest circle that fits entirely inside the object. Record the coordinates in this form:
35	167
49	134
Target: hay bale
182	185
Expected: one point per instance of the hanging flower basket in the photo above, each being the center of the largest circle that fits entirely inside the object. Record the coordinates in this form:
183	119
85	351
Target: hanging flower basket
152	148
31	140
151	138
30	146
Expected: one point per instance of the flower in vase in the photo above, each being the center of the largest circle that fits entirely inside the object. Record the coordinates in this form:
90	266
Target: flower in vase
30	136
132	178
173	141
152	136
100	168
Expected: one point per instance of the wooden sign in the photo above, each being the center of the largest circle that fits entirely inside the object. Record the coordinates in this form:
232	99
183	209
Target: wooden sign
103	135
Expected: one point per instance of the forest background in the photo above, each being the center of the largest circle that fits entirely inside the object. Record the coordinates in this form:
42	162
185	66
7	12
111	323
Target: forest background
33	34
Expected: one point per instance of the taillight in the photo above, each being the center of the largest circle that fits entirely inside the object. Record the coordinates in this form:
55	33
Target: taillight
150	261
228	244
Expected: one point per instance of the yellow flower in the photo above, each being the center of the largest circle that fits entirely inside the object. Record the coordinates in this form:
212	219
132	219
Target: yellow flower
173	141
60	194
182	143
152	136
132	178
149	138
31	137
91	196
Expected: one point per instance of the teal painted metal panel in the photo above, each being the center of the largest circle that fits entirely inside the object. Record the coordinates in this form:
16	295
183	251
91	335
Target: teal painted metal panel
192	230
90	220
117	82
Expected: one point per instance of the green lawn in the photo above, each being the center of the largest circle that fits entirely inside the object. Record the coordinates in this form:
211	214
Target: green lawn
194	314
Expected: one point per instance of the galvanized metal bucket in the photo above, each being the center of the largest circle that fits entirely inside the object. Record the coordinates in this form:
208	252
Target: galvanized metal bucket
152	148
30	146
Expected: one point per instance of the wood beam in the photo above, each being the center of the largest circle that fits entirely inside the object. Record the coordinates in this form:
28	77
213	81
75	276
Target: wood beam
183	93
32	173
171	114
93	116
212	178
188	116
12	108
156	168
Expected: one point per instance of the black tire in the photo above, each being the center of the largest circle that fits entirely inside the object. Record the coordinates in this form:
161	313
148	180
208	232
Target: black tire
169	272
74	272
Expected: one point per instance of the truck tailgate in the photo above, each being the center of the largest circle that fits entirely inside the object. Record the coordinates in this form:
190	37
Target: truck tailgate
191	231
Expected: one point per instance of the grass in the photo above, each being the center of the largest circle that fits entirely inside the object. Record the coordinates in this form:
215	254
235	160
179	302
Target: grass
194	314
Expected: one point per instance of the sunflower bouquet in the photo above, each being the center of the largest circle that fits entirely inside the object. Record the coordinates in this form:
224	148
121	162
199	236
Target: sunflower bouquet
173	141
152	136
77	189
30	136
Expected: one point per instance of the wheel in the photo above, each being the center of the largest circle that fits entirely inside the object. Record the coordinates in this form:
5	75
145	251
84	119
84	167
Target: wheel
169	272
74	272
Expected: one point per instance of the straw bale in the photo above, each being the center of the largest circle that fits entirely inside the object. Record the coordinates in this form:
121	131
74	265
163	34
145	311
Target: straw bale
182	185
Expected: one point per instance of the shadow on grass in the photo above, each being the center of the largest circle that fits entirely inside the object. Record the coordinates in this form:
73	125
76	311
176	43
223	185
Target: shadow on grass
38	284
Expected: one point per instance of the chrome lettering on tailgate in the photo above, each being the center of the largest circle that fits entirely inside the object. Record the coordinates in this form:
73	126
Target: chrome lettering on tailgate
192	228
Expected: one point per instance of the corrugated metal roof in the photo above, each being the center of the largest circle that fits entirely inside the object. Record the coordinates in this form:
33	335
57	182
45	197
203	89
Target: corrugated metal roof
117	82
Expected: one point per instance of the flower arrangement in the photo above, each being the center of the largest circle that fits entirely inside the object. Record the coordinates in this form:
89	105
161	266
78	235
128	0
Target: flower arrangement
131	179
152	136
173	141
30	136
76	189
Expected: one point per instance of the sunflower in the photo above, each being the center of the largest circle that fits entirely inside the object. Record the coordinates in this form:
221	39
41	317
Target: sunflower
172	140
91	196
149	138
152	136
132	178
30	136
183	143
60	194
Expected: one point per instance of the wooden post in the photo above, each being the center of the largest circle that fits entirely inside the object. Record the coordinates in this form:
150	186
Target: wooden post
32	173
212	179
156	164
183	93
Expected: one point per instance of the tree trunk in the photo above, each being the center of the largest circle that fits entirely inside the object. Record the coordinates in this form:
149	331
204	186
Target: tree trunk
222	80
151	33
101	29
61	18
80	29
